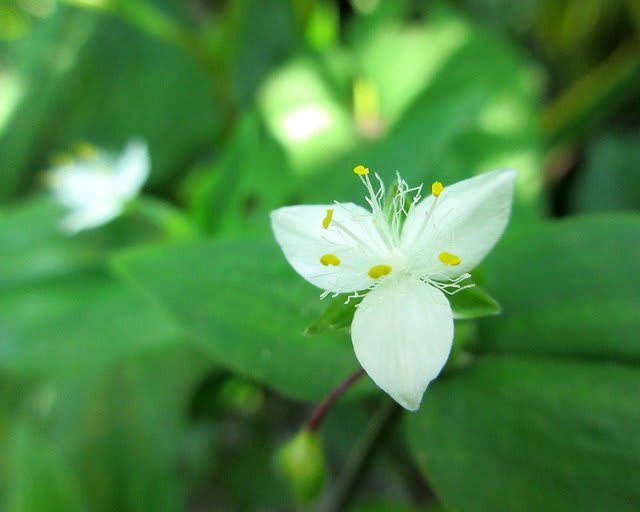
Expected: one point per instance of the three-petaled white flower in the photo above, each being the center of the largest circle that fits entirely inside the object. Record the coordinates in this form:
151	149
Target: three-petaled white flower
406	252
95	186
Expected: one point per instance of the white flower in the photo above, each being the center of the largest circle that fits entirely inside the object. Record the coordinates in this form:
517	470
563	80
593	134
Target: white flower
95	187
406	252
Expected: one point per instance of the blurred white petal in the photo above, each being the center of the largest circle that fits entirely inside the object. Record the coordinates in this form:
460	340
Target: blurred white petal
95	187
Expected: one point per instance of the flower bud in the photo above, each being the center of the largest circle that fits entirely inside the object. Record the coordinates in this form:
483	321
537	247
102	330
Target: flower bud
302	461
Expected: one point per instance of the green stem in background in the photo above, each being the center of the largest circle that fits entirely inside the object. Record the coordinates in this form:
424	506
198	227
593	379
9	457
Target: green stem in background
592	97
155	23
303	10
321	410
358	462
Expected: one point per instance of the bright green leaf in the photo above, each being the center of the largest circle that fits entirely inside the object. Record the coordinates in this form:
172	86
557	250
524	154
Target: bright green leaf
242	302
528	435
473	303
338	314
252	177
81	324
567	288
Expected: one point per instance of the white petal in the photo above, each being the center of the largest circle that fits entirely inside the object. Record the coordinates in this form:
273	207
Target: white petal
132	169
299	231
469	218
92	216
80	184
402	334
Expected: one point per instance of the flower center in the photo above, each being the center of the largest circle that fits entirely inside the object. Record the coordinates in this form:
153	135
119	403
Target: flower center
388	220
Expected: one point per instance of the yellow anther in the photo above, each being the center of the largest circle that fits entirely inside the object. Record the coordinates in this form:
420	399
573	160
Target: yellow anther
379	271
449	259
85	150
327	220
329	259
437	188
361	170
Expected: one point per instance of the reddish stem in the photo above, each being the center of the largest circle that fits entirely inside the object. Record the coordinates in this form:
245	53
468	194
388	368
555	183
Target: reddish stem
323	407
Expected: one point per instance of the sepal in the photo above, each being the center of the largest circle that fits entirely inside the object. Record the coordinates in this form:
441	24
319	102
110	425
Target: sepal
473	302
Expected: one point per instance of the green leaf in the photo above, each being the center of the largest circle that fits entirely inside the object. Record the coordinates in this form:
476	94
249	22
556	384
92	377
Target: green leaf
35	475
473	303
242	302
567	289
55	298
83	323
610	180
234	194
553	435
264	34
338	314
32	247
125	430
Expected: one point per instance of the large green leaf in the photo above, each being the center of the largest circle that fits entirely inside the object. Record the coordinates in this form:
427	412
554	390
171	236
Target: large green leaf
60	311
248	308
82	323
568	288
514	434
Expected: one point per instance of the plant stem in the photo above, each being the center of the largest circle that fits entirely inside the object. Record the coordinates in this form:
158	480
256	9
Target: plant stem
321	410
593	96
358	462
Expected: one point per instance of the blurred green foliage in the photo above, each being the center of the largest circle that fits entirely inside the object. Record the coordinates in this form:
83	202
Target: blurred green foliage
159	362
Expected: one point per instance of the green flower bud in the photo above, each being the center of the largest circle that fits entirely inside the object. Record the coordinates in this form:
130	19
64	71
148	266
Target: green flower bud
302	461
